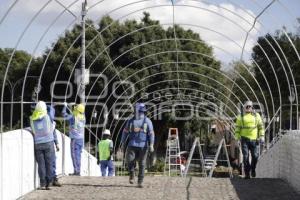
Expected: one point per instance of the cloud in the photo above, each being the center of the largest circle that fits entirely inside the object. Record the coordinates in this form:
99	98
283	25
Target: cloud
223	25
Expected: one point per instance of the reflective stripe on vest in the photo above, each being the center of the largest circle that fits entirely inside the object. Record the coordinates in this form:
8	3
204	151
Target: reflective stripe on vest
104	149
249	127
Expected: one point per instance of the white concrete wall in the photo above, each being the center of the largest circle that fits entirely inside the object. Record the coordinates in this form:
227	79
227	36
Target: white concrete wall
17	165
282	160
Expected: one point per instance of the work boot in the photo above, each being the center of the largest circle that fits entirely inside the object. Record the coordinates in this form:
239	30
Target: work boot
47	187
75	174
131	179
41	188
140	185
247	176
253	174
56	183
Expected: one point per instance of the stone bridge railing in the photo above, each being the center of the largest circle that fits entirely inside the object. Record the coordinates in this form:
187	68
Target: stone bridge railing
282	160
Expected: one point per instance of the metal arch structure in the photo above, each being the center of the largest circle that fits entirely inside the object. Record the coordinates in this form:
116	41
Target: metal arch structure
173	5
45	6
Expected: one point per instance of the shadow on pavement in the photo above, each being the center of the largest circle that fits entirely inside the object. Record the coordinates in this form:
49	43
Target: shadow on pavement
266	189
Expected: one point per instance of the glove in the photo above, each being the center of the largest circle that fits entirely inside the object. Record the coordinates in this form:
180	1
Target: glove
98	162
262	140
65	104
151	148
57	147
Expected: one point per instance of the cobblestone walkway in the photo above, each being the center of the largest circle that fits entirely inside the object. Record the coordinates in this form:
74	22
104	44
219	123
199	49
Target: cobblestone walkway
165	188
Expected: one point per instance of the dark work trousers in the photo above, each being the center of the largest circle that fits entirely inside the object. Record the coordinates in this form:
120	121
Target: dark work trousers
251	145
138	154
44	156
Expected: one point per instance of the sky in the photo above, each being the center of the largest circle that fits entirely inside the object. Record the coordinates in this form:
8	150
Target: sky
34	25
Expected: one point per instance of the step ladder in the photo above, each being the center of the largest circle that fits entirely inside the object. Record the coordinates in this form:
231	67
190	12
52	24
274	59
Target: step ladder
211	164
196	143
173	162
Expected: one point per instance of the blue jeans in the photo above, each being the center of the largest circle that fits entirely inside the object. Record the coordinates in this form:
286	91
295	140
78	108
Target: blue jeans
137	154
76	149
43	154
54	166
107	164
251	145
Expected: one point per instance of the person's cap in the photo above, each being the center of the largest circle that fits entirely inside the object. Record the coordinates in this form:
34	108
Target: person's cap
140	107
106	132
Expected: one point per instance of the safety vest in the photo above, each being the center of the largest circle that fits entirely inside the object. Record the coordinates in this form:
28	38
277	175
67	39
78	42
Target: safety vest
42	129
142	129
104	149
250	126
138	135
77	128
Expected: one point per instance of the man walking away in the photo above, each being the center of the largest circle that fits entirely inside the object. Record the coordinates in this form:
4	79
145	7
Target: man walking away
105	157
249	129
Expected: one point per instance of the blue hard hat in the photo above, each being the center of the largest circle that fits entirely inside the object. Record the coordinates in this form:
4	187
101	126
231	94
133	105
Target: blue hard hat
141	107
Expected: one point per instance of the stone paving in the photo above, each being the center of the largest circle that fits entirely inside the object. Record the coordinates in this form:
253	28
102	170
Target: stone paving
167	188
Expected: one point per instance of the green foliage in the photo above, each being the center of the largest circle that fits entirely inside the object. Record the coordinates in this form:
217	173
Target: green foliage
131	50
18	64
243	76
273	46
159	166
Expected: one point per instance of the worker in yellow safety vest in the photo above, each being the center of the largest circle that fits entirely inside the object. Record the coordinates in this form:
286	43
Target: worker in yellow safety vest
249	129
105	150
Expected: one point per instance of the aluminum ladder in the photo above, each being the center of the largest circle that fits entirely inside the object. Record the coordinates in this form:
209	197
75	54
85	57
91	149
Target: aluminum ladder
173	162
201	159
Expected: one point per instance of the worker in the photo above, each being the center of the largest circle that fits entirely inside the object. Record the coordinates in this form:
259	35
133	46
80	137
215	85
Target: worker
76	133
249	129
140	135
51	113
105	157
42	130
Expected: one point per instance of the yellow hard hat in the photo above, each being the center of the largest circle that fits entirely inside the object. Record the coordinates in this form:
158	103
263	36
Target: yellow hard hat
80	108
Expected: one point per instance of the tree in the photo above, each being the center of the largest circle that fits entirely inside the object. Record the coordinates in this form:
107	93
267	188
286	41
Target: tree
133	50
273	47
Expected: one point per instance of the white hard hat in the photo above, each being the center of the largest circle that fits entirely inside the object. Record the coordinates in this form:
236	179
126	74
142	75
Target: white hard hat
248	103
41	105
106	132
